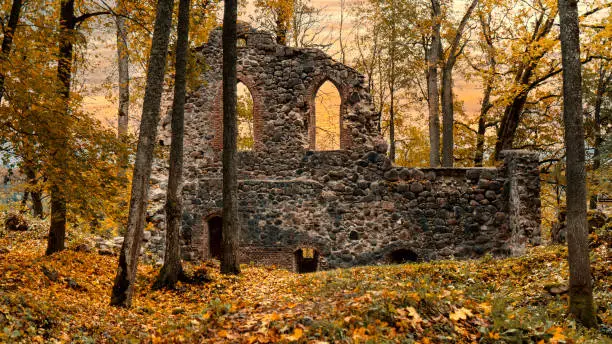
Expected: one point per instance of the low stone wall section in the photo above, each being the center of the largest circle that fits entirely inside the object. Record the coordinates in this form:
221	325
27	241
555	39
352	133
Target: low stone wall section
357	212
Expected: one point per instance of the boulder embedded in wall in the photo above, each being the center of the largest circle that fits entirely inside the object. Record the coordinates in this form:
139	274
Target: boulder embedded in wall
337	174
381	146
416	187
417	174
157	195
391	175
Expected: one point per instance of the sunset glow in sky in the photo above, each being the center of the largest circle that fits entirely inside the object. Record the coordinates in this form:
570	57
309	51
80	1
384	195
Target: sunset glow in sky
102	55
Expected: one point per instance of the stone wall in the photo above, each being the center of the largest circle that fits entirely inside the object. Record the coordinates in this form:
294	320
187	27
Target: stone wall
350	206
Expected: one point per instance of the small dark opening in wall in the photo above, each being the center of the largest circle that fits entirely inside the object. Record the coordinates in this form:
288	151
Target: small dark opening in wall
403	255
306	260
215	228
161	142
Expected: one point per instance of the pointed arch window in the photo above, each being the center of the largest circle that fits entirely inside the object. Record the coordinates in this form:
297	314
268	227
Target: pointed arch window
327	106
244	109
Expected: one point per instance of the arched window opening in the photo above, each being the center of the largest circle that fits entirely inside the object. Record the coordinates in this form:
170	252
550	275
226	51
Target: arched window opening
215	227
244	108
306	260
327	117
403	255
241	42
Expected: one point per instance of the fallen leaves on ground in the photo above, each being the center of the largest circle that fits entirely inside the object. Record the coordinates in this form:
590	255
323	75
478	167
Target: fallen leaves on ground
65	298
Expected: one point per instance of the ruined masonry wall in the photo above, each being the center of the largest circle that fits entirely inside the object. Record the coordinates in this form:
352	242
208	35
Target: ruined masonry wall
353	206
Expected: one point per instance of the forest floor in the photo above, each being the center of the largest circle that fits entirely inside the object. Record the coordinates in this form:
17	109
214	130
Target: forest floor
486	301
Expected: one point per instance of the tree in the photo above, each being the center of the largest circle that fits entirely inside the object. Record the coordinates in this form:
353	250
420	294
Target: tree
340	41
231	226
57	229
448	122
68	23
532	62
7	40
536	45
123	287
276	16
603	81
581	288
307	28
172	270
386	43
54	143
433	52
368	41
124	82
488	83
597	88
33	190
392	78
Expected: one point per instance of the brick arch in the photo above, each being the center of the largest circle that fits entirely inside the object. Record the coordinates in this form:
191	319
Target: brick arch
216	212
311	94
217	141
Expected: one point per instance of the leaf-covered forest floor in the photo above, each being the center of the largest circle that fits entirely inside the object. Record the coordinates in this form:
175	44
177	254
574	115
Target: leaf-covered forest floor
65	298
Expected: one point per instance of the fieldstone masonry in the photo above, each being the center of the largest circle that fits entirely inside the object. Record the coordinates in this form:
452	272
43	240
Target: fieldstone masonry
349	207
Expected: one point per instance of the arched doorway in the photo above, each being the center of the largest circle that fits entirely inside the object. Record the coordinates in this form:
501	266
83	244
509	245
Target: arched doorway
327	106
306	260
215	228
403	255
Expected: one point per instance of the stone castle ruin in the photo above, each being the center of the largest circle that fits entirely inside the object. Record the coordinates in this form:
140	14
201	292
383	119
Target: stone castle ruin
305	210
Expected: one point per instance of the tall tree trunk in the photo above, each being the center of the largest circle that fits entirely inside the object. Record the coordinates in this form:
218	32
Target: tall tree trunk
7	41
124	85
448	120
24	201
340	40
581	288
57	230
392	78
433	53
381	92
35	193
486	105
480	139
509	123
392	126
281	30
602	85
172	270
231	227
37	205
123	287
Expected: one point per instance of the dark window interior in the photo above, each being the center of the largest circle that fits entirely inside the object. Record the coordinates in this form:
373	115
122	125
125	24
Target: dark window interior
306	260
215	226
403	255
